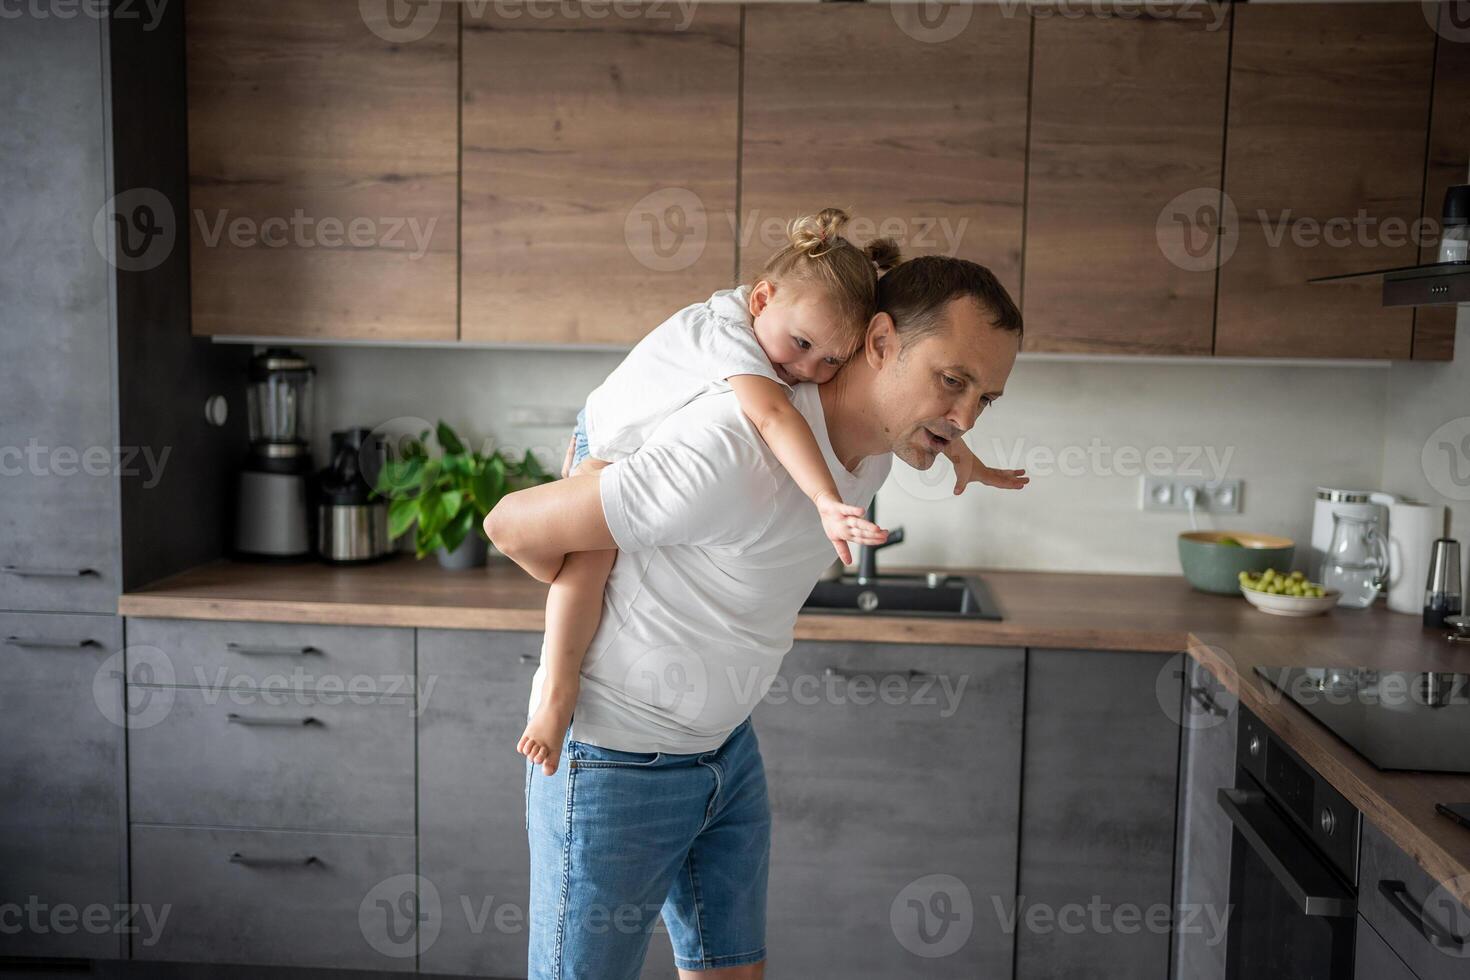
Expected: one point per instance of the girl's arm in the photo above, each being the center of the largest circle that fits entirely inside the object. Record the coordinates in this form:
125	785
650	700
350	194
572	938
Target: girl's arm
764	402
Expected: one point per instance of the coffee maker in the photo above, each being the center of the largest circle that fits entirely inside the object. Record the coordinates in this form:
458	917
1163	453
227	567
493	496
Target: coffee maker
273	515
352	521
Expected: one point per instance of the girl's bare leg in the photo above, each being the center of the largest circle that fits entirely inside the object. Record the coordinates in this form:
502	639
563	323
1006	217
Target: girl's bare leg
573	610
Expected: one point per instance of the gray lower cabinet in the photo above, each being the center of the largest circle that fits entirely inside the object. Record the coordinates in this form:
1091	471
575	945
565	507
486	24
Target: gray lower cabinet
1420	920
273	898
1100	775
1202	876
474	863
59	525
284	759
1373	959
894	778
271	788
223	654
61	782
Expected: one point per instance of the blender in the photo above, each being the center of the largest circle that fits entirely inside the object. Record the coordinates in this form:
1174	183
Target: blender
272	518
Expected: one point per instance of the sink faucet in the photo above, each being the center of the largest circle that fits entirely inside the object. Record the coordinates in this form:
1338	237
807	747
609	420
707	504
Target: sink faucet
868	554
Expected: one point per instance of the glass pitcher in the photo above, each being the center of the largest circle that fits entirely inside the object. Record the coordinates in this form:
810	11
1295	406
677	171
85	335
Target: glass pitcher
1356	562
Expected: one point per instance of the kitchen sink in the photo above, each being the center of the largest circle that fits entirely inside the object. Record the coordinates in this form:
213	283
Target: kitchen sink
943	596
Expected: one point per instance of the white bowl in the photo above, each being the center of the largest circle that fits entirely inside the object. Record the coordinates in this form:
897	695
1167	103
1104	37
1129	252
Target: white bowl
1291	605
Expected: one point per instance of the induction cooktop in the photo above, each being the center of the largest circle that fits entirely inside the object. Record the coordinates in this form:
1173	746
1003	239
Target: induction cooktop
1395	719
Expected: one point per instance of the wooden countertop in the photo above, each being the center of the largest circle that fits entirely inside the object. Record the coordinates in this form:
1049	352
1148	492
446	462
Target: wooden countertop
1042	609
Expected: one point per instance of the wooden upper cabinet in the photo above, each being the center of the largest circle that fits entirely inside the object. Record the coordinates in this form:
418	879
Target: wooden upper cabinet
1449	160
1324	165
1127	132
915	124
323	169
600	159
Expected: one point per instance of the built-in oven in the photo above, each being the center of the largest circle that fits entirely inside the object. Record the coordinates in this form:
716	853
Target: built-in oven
1293	866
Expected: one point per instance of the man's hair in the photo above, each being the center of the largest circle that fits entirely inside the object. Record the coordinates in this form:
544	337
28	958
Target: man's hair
916	292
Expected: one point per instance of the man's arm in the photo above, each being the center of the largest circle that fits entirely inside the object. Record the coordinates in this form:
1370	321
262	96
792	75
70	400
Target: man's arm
539	526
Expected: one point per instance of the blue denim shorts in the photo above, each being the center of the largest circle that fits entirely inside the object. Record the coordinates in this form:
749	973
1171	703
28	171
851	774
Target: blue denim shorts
620	838
579	439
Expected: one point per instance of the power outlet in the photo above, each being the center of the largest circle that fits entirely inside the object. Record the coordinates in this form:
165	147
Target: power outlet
1172	493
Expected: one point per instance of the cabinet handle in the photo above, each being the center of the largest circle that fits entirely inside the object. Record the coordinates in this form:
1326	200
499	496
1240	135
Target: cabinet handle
1398	896
41	643
256	650
310	861
528	658
308	722
36	572
1207	701
847	675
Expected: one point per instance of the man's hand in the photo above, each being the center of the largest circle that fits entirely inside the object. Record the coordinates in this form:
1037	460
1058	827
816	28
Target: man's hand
968	469
846	522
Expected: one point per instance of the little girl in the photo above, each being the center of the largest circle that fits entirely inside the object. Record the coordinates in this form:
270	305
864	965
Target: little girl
806	314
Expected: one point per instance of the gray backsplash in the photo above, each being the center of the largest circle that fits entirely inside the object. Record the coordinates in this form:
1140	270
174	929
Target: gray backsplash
1087	429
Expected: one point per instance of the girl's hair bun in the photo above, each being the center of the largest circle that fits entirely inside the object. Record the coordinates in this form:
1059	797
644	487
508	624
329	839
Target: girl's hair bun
883	253
816	234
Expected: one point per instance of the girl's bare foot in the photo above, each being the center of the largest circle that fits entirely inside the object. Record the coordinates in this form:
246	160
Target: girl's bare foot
542	739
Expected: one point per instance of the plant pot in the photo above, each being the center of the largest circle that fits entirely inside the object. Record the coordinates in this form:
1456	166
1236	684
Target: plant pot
471	553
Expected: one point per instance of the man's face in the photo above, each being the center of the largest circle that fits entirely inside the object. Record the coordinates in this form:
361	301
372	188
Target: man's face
932	391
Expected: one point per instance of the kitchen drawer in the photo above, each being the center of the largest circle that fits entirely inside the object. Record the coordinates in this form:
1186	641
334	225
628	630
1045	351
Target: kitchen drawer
274	898
290	760
1373	960
61	780
206	653
1402	902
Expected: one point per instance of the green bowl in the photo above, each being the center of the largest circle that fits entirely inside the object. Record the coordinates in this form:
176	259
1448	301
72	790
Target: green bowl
1214	567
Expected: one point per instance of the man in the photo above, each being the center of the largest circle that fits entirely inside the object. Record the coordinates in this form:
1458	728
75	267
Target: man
661	801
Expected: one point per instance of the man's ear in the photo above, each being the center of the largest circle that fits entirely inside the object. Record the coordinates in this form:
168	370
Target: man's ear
760	296
881	341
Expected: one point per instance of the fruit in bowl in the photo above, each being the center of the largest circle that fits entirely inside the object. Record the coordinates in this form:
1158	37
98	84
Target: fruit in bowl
1276	583
1286	594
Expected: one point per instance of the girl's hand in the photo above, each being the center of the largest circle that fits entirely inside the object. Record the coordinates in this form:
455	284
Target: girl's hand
845	522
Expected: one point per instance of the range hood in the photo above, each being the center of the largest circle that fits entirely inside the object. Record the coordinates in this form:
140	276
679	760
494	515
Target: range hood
1435	284
1442	283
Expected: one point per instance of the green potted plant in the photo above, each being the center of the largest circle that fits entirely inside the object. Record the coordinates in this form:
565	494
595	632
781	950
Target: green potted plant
445	498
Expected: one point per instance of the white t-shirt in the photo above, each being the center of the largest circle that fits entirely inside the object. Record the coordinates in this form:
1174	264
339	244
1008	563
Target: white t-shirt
688	355
718	550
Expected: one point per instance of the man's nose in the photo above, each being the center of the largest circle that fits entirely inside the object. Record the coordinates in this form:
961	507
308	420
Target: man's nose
964	413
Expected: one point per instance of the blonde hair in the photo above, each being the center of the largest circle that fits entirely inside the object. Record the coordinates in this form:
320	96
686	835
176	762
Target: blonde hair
816	253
